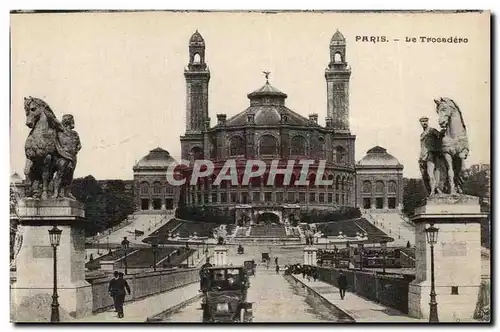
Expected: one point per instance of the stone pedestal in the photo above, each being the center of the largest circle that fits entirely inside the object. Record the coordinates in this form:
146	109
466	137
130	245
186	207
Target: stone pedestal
35	259
310	256
457	258
220	255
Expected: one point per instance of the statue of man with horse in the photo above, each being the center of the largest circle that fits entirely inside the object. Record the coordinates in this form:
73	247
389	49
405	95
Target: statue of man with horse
51	149
443	153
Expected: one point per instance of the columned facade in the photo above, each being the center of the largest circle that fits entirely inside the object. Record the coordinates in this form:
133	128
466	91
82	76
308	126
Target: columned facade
152	191
268	130
379	181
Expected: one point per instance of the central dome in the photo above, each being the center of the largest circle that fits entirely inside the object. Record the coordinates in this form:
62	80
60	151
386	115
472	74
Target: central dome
267	107
378	156
156	158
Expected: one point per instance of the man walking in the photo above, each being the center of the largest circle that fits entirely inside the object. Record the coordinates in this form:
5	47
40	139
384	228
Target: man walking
277	269
120	285
204	274
112	289
342	284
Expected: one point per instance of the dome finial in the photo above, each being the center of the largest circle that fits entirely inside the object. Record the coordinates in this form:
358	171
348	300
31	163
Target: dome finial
266	75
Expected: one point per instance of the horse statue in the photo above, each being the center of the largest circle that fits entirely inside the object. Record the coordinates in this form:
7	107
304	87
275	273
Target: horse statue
50	151
454	145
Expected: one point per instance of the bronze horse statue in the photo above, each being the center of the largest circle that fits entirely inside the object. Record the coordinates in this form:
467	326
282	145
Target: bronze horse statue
454	145
47	162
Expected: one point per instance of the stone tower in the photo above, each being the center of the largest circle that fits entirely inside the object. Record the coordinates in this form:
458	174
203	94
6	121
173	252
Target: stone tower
197	77
337	77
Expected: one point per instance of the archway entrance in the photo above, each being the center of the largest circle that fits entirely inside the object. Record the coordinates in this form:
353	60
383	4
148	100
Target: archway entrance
268	218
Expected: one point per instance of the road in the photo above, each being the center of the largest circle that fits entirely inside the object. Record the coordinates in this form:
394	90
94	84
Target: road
275	299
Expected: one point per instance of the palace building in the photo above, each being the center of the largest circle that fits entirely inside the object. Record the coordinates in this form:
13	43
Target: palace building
379	181
266	130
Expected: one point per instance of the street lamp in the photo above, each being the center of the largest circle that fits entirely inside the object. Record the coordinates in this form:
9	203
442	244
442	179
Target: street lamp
431	233
192	255
360	249
98	249
383	244
336	258
55	239
107	243
125	246
154	246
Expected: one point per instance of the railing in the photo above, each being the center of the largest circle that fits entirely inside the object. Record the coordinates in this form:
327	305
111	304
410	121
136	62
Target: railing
142	285
390	289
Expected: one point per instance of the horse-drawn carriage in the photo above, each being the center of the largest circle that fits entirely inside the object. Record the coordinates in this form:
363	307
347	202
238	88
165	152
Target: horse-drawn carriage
225	295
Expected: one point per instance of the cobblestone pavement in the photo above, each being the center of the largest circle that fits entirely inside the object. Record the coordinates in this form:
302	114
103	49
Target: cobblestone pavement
274	300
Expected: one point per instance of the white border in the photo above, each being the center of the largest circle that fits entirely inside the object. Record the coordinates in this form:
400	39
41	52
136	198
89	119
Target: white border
186	4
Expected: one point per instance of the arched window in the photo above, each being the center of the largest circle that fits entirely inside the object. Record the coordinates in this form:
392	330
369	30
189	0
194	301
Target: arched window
196	58
344	187
255	182
196	153
340	155
379	187
367	187
268	145
332	180
169	189
236	146
337	58
312	179
337	182
157	188
321	148
392	187
144	187
298	146
213	178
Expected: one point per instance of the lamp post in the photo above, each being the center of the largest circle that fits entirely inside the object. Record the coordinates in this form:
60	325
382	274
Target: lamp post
154	246
107	243
360	249
336	257
431	233
55	239
190	240
383	244
125	246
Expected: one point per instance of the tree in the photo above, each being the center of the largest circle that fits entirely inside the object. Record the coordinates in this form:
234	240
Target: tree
414	195
103	208
87	191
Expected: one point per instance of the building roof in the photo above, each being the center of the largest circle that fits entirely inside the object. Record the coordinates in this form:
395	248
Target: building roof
266	90
337	37
267	105
155	158
15	179
378	156
196	38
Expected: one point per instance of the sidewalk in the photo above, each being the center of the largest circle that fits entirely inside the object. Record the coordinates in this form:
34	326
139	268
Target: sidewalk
140	311
360	309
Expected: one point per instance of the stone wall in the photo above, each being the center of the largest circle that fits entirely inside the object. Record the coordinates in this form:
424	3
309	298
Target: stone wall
390	290
142	285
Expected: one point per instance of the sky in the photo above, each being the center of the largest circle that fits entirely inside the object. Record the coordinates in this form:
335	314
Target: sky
121	76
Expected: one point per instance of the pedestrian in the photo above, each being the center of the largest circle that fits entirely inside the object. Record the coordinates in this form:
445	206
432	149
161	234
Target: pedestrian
342	284
112	289
303	272
121	288
315	274
276	260
277	269
204	274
